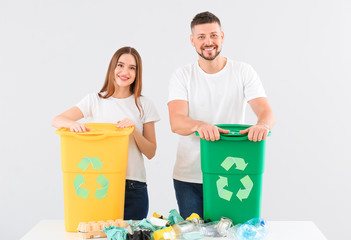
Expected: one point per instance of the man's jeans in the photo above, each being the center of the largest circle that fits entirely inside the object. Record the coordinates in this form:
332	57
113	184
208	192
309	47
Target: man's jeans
136	203
189	198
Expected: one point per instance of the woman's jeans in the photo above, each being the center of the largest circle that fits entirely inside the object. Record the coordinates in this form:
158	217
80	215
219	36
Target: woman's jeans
136	203
189	198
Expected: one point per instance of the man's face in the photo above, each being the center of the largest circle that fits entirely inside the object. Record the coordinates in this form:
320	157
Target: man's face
207	39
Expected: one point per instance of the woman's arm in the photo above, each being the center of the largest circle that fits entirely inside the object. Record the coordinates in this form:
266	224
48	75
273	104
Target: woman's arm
68	119
146	142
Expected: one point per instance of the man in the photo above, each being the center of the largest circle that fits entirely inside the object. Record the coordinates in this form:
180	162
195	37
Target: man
213	90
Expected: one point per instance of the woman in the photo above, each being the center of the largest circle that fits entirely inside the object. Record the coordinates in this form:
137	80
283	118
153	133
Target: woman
120	101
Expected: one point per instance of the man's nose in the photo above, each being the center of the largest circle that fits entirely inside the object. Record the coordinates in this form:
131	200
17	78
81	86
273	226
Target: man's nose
209	41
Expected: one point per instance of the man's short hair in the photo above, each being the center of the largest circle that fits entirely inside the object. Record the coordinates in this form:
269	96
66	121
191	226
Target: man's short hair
204	17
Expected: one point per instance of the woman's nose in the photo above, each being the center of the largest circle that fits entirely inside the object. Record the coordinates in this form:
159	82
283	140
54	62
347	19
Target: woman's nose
125	71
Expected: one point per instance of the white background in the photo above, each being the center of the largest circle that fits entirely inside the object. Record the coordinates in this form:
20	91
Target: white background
53	53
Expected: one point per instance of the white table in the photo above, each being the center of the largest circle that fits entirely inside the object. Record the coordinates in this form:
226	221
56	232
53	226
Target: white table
278	230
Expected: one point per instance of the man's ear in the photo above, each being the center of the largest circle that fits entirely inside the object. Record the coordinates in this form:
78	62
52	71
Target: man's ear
192	40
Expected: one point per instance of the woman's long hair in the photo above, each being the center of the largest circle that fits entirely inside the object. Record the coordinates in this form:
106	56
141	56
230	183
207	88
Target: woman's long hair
108	88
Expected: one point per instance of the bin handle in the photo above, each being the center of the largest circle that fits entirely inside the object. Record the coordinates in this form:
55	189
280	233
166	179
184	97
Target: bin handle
91	135
234	137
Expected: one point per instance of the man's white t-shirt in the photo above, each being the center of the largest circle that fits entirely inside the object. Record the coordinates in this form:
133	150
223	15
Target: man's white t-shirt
218	98
111	110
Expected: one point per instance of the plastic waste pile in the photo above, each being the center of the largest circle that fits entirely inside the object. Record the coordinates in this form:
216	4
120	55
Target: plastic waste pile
175	227
254	229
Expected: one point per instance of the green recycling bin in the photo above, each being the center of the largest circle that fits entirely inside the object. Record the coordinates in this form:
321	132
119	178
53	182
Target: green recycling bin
232	169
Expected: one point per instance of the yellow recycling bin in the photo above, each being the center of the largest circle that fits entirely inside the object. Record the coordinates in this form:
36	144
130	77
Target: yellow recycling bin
94	167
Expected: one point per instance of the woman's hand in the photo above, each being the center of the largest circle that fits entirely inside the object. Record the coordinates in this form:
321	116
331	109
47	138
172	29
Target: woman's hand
78	127
126	122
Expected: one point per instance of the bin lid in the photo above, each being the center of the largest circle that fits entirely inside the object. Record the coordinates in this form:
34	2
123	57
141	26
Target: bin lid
98	129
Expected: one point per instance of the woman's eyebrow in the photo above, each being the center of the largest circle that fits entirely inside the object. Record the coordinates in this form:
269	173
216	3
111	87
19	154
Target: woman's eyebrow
124	63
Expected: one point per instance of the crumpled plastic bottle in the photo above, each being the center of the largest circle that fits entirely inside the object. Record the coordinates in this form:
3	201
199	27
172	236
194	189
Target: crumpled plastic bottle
209	229
254	229
231	235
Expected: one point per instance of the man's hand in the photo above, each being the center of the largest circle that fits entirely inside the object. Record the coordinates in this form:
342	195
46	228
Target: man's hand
257	132
210	132
265	120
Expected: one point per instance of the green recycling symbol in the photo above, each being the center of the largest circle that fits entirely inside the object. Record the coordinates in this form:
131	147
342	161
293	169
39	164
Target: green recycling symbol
246	181
101	179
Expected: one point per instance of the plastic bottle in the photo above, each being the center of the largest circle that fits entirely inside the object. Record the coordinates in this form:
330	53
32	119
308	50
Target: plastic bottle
175	231
223	226
254	229
184	227
163	234
232	232
209	229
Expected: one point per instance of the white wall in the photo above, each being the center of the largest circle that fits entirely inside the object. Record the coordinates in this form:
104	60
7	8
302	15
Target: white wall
52	53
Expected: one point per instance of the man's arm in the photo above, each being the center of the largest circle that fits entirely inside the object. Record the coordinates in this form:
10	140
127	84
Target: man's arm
265	120
183	125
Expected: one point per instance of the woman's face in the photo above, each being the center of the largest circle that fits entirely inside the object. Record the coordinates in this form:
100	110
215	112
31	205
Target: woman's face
125	70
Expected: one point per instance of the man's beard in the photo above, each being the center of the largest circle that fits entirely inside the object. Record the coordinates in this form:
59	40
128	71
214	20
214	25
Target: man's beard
209	58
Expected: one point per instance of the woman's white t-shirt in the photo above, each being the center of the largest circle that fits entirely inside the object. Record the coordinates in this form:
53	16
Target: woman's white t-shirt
111	110
219	98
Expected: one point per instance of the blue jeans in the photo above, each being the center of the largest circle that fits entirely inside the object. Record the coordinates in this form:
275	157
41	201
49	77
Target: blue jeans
136	202
189	198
